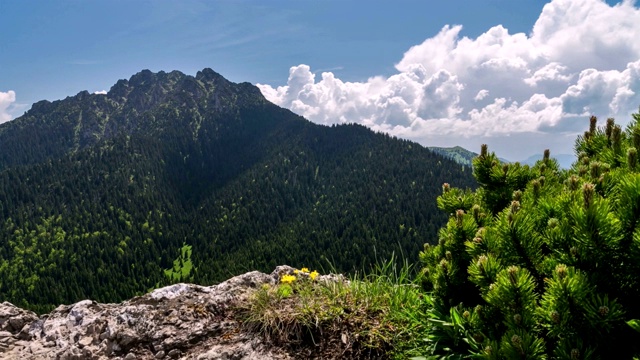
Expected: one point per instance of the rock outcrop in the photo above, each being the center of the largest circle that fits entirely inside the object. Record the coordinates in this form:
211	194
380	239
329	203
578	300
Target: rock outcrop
181	321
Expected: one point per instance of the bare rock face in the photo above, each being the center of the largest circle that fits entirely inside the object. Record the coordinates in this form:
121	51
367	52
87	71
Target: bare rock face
181	321
13	319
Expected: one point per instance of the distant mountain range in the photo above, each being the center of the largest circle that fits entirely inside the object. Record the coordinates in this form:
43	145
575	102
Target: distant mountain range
465	157
564	160
170	177
458	154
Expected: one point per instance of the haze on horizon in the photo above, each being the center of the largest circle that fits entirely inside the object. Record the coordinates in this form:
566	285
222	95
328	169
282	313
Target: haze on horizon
520	78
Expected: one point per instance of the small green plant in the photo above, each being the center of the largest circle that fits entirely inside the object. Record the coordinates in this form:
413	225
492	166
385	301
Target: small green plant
182	266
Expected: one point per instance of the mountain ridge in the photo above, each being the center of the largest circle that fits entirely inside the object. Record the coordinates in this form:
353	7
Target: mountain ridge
125	106
459	154
564	160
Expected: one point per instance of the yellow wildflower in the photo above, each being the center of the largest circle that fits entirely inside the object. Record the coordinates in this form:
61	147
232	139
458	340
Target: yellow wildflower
287	279
305	270
296	271
314	274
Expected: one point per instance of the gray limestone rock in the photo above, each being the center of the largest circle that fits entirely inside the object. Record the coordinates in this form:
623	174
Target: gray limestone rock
181	321
13	319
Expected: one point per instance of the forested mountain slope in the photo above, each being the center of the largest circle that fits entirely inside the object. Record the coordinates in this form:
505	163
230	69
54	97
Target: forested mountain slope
171	177
457	153
462	155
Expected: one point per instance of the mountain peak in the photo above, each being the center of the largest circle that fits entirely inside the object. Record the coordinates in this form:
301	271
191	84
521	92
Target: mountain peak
142	77
137	105
207	74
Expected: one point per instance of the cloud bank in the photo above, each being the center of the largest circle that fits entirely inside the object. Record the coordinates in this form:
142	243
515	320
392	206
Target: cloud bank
6	100
520	93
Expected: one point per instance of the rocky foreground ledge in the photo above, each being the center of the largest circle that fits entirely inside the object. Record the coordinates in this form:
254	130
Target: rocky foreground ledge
181	321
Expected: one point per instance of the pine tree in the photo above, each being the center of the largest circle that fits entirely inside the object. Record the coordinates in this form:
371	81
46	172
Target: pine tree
542	262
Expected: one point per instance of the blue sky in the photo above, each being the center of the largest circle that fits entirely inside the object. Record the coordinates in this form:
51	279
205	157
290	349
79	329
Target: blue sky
397	66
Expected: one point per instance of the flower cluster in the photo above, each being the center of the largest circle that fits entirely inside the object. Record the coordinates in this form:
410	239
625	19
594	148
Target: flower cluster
288	279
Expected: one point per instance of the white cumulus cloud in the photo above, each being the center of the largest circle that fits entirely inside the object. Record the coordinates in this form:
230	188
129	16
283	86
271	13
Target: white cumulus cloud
6	99
481	95
520	93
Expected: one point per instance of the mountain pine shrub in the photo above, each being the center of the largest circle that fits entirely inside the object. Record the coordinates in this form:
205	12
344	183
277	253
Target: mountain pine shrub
541	262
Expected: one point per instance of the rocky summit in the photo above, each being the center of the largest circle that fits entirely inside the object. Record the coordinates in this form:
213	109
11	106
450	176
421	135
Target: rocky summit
181	321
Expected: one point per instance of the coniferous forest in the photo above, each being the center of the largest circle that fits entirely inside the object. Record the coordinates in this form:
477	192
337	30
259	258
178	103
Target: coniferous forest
171	178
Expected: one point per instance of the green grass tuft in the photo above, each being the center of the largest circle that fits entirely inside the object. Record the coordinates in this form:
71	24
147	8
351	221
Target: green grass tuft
375	314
